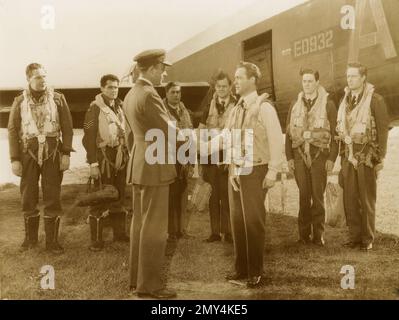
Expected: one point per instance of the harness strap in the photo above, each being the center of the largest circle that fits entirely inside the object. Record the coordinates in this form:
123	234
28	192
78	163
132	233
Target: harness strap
118	165
43	148
307	157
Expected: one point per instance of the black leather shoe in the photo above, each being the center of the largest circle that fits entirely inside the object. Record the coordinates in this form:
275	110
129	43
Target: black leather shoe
132	288
254	282
54	247
319	242
184	235
96	246
236	276
160	294
172	238
228	238
351	244
366	246
214	238
26	245
121	238
303	241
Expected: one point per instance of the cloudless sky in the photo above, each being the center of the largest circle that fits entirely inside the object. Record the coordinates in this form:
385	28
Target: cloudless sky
94	37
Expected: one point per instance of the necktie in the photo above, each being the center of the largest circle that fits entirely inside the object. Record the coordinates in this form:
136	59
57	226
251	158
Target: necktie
306	153
239	124
223	104
242	113
353	102
220	107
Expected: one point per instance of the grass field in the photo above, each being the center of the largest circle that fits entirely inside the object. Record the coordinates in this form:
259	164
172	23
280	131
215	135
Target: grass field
196	269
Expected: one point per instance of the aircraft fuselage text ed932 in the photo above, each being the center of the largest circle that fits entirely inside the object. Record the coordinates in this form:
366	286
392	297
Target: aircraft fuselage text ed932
320	34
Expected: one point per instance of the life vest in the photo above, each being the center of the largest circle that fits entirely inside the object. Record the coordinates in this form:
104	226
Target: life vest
111	125
179	114
47	126
111	133
358	125
254	146
310	127
216	120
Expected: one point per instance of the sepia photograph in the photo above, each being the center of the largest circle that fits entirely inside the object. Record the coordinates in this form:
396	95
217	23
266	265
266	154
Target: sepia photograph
208	153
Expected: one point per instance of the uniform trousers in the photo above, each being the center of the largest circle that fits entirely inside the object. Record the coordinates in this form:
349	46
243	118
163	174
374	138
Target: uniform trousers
248	222
148	235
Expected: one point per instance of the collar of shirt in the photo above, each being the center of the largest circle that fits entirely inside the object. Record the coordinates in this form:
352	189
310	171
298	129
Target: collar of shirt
225	101
357	97
108	102
36	96
145	80
177	107
353	100
249	99
309	102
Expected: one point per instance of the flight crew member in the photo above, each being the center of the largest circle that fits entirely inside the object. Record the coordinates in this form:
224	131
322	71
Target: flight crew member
216	174
311	151
362	128
104	140
40	138
144	110
253	171
178	190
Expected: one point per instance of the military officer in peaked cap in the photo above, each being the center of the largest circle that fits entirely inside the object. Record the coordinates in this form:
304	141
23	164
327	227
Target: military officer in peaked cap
145	110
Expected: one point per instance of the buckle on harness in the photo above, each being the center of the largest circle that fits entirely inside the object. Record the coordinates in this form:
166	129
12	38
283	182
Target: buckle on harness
307	135
41	138
348	140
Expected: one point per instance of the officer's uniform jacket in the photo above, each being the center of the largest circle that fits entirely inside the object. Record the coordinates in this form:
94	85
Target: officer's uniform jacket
144	110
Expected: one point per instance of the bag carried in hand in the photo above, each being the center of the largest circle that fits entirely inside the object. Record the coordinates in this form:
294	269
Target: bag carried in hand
201	193
97	194
334	203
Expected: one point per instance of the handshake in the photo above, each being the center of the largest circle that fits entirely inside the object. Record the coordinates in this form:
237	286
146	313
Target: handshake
207	141
195	140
